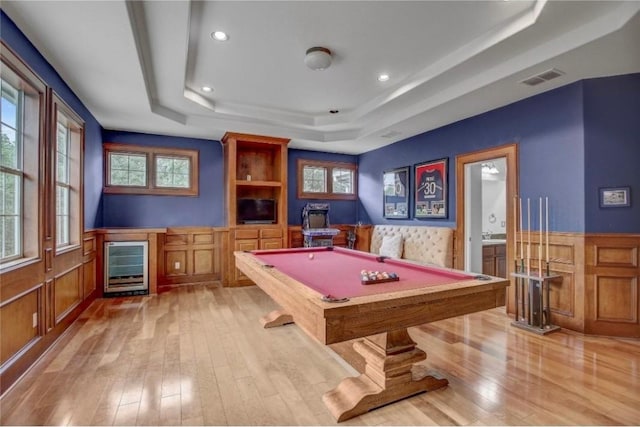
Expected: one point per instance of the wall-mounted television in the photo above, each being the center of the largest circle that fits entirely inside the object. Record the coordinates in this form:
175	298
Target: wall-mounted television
257	211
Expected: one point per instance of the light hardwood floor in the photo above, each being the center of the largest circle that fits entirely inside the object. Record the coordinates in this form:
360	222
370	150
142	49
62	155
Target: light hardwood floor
196	355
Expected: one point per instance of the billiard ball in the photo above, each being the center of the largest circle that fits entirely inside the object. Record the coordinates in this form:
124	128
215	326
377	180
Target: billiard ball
310	256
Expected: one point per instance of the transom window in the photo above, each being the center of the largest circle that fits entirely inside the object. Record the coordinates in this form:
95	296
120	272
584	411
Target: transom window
326	180
343	181
315	179
172	172
128	169
134	169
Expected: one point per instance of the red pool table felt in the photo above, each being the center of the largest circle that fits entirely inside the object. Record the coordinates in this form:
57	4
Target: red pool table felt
336	271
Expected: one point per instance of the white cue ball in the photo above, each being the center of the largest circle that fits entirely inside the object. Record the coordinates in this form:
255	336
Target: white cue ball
310	256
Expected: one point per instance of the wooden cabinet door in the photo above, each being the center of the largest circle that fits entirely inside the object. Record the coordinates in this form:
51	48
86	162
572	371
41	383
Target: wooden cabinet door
488	266
242	245
501	266
501	260
246	245
488	260
494	260
270	243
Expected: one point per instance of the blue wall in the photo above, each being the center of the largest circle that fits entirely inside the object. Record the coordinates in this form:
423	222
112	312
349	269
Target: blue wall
612	141
207	209
571	141
341	211
549	131
14	38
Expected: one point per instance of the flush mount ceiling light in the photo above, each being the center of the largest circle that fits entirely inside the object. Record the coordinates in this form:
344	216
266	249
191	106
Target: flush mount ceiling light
383	77
221	36
318	58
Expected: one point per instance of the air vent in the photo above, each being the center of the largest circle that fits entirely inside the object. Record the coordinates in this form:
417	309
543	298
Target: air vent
542	77
532	81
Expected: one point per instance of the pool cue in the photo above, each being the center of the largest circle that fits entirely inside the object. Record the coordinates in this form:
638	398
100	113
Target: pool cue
521	238
515	252
523	294
528	236
515	231
521	280
547	227
547	311
529	314
540	243
542	309
517	283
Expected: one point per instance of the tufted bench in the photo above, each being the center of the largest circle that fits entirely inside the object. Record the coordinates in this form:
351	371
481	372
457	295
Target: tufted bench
423	244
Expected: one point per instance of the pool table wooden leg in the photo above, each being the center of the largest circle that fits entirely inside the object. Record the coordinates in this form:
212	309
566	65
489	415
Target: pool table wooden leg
388	376
276	318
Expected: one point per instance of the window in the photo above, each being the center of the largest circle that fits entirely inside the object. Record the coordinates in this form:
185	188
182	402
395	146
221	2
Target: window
172	172
11	173
62	186
128	169
22	109
134	169
343	181
315	179
326	180
69	142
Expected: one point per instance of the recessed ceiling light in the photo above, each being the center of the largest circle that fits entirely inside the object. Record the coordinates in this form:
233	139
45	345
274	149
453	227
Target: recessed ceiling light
383	77
221	36
207	89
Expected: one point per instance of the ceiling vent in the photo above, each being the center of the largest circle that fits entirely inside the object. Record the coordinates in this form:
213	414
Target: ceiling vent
543	77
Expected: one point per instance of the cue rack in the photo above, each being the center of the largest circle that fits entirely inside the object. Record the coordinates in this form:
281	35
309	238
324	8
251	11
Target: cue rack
533	312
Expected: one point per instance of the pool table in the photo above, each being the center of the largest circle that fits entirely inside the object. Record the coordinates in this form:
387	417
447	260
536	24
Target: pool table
321	290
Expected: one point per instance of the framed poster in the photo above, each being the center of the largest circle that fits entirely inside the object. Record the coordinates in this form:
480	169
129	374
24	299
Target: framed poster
430	197
615	197
395	183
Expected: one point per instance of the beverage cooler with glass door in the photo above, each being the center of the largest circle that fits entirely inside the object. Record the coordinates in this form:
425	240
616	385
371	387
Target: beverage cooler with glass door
126	268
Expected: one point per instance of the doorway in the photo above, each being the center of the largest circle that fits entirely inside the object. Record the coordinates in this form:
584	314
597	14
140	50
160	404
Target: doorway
469	227
485	214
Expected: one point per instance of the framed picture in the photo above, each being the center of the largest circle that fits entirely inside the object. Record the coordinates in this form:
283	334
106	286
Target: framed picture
615	197
395	184
430	197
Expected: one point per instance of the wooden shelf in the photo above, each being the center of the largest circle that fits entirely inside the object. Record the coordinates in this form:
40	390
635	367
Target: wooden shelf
252	183
255	168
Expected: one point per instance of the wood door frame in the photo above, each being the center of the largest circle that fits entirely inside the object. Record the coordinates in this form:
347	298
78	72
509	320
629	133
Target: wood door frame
510	153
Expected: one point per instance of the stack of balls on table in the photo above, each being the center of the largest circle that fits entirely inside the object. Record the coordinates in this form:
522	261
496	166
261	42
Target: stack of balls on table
370	276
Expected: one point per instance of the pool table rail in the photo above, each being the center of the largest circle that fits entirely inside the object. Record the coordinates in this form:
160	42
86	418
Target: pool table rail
362	316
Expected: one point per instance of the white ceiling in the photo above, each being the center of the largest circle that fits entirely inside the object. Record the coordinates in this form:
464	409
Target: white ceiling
140	65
